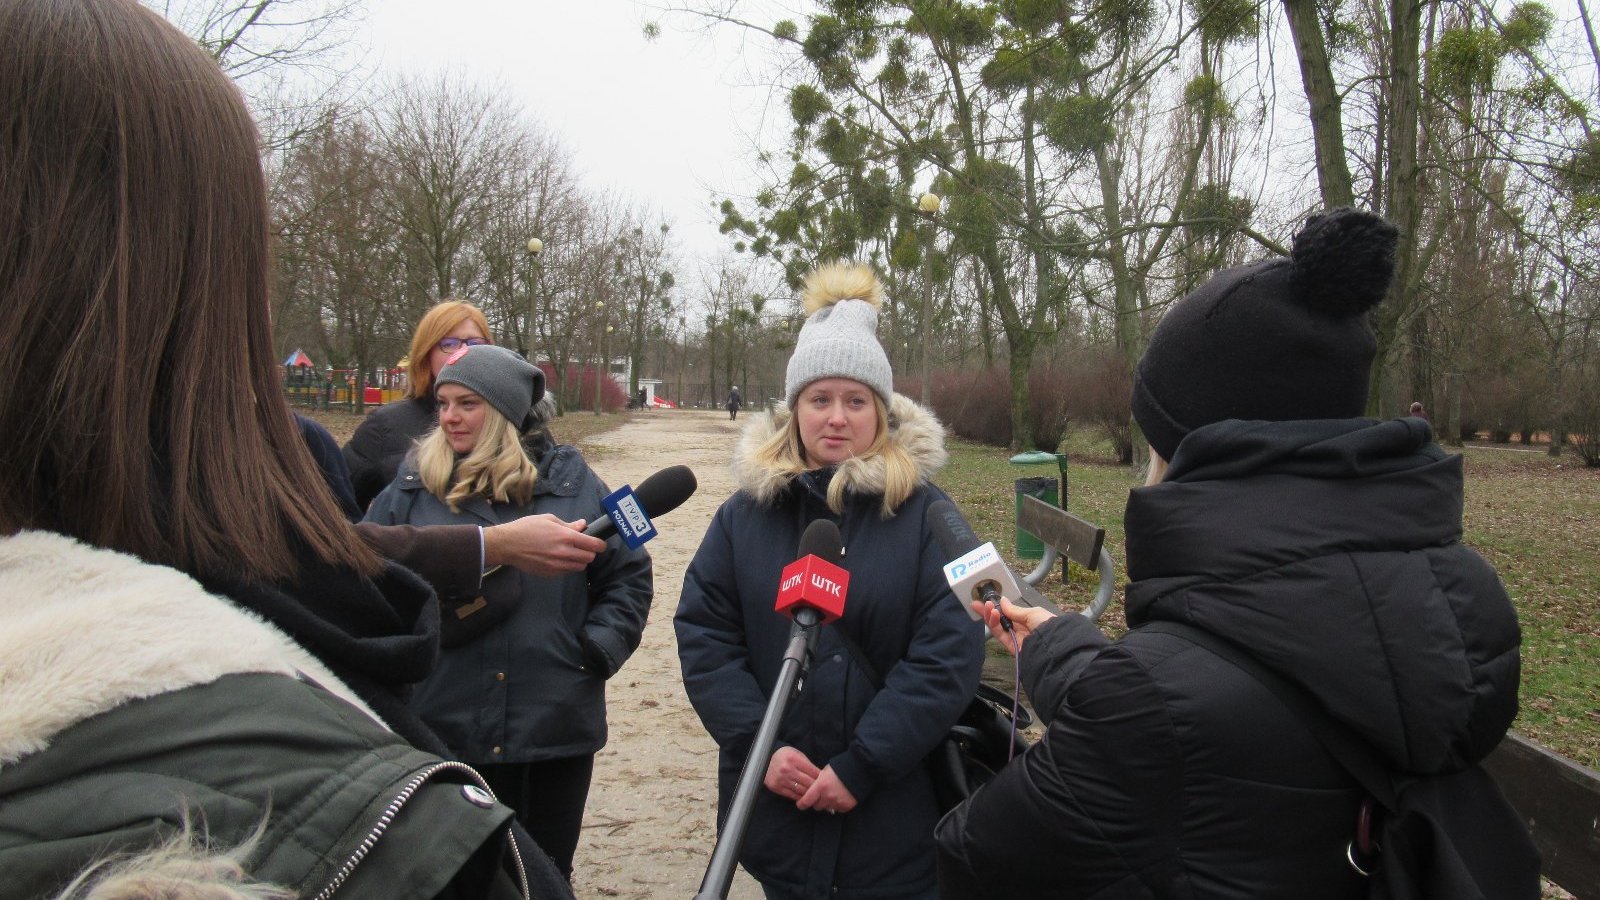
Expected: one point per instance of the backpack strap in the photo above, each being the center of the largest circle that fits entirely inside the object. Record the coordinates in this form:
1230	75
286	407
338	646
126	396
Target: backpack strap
1350	751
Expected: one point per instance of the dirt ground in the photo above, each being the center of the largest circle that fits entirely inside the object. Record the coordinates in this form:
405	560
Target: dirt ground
650	824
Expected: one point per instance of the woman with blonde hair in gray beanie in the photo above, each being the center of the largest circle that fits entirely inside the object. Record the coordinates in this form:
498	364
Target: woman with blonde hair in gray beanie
522	696
848	807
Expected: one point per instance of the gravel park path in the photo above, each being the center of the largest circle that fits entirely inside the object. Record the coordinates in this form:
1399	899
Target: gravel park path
650	824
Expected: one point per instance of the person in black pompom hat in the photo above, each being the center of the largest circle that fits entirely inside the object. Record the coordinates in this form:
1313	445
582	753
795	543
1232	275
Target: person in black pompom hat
1323	546
1282	339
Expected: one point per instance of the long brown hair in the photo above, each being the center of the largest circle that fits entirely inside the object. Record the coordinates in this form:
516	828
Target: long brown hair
141	407
436	323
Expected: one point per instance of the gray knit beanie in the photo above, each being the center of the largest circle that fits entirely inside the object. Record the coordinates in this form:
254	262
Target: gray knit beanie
501	377
840	337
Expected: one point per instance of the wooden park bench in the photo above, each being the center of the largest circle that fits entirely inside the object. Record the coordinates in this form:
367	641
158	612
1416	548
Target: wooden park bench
1072	540
1558	798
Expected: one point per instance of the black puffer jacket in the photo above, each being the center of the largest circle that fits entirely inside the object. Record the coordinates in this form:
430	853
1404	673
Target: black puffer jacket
381	442
1331	552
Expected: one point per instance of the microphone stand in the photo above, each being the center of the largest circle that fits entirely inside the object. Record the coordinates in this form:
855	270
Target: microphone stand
796	662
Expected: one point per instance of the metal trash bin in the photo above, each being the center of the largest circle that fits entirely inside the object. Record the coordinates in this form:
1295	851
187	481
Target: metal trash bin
1041	487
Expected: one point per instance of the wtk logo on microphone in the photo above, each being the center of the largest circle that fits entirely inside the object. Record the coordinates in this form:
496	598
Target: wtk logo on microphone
816	580
629	517
810	581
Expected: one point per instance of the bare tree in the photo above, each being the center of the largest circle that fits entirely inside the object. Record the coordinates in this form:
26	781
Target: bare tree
292	58
460	156
645	269
336	260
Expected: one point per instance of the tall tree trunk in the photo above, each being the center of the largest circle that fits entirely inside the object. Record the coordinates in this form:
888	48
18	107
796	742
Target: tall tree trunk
1322	96
1021	367
1127	328
1405	208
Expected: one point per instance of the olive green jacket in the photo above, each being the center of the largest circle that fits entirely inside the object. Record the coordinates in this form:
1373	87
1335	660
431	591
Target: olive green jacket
134	708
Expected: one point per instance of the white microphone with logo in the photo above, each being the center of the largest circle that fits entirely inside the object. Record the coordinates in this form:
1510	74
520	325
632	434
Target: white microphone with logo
977	571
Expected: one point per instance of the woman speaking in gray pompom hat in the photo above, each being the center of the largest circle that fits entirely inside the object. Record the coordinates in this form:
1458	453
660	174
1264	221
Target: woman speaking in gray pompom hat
1324	548
847	808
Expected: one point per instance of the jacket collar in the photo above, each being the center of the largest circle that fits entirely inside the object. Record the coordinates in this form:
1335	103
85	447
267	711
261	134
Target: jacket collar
914	428
1245	497
85	630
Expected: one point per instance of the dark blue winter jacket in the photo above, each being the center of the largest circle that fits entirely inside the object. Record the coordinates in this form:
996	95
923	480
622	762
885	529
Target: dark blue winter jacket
902	615
533	687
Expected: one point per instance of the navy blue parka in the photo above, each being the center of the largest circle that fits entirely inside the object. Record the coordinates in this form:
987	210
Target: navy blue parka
533	687
899	611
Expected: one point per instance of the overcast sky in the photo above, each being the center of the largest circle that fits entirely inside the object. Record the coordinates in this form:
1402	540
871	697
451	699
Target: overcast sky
667	122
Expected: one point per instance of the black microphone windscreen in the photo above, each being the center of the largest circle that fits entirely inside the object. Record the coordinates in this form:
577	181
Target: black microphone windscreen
951	530
666	490
821	539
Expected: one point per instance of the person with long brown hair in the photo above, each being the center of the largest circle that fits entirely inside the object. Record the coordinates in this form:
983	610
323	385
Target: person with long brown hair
196	650
387	434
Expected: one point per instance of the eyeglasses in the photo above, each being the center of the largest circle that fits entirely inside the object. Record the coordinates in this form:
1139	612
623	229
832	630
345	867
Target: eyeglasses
452	344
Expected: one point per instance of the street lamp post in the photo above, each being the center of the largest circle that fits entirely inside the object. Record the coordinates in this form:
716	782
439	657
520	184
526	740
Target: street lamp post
683	351
600	356
928	205
535	247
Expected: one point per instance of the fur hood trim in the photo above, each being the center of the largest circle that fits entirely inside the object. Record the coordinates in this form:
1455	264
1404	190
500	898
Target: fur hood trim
84	630
544	409
915	428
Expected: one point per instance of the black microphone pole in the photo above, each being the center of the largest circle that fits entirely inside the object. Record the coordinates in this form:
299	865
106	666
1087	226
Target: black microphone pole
796	662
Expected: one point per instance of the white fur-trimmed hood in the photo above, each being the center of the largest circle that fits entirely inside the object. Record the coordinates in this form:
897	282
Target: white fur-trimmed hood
915	428
84	630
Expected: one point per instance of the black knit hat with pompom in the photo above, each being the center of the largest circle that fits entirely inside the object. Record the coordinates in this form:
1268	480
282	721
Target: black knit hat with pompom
1278	340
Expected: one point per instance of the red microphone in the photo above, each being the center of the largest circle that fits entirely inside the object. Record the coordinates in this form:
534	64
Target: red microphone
813	581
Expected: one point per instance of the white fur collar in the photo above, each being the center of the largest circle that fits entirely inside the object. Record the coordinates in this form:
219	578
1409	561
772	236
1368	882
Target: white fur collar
84	630
913	427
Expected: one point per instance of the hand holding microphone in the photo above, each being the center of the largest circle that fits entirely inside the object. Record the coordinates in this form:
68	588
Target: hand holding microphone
982	582
546	546
1009	622
976	572
541	545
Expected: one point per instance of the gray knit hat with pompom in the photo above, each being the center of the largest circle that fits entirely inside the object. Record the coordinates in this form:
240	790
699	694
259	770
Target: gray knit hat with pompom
840	336
1276	341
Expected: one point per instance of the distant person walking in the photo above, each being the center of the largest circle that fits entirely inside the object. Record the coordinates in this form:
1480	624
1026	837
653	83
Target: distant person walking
1417	410
734	404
